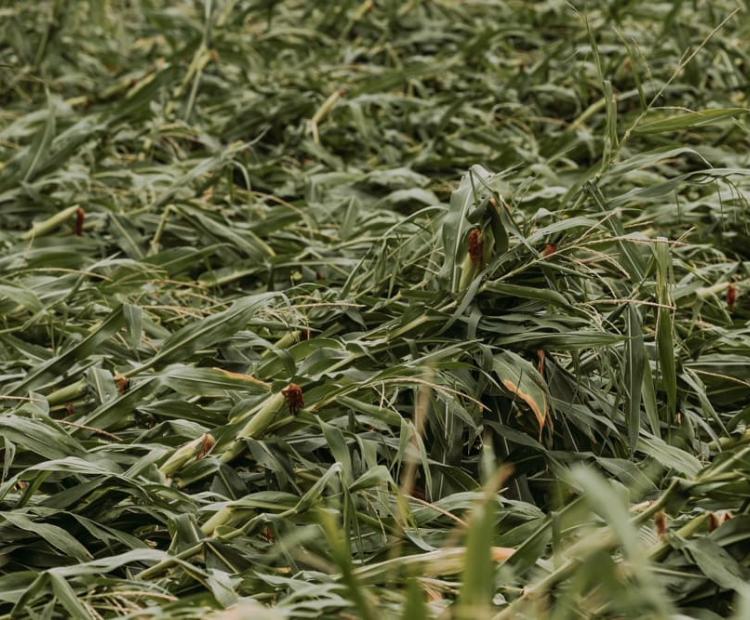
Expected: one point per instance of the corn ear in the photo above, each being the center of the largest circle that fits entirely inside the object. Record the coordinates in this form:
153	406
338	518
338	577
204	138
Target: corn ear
193	450
46	226
259	419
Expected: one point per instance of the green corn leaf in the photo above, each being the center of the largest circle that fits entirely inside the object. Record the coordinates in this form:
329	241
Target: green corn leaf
665	326
62	362
686	120
634	363
478	577
212	329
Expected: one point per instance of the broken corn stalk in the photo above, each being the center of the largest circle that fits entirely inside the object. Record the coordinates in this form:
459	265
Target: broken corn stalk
227	515
441	562
67	393
286	341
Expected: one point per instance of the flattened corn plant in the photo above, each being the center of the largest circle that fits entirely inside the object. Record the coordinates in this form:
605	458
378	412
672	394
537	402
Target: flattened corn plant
346	309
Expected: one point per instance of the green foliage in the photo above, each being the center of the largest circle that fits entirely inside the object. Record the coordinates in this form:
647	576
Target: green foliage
332	309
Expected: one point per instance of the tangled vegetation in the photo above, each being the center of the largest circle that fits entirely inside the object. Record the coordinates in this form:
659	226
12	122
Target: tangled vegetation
420	308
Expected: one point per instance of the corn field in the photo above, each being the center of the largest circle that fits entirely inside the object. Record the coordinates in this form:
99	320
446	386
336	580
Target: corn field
420	309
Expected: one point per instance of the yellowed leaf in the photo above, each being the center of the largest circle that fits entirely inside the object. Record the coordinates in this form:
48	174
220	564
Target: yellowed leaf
519	377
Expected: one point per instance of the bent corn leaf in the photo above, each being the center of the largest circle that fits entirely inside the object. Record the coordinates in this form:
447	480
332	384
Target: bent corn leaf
519	377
